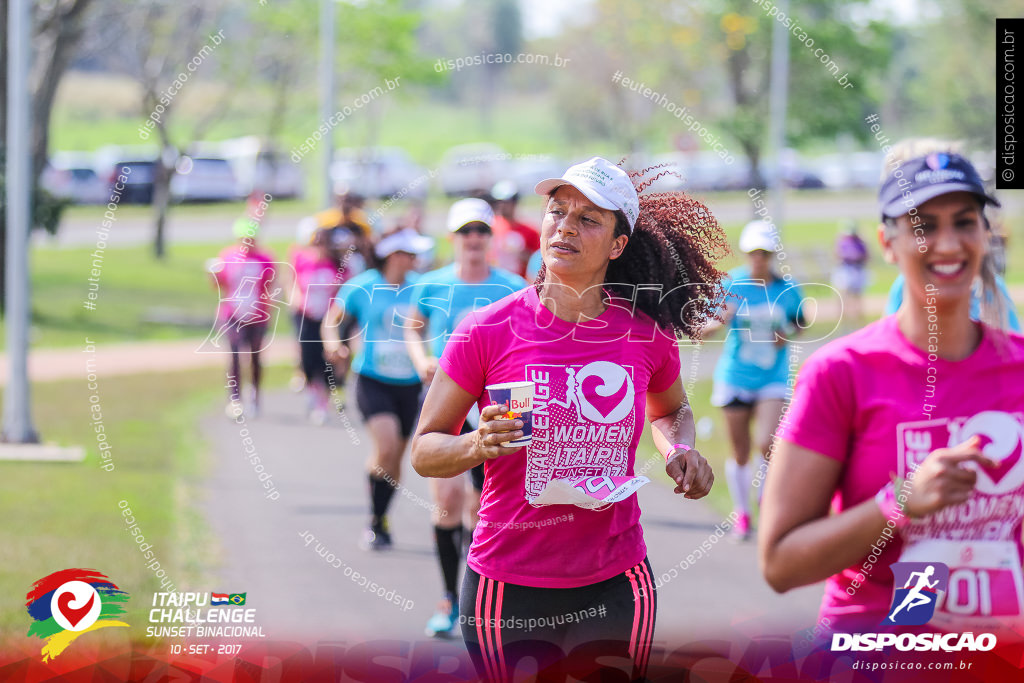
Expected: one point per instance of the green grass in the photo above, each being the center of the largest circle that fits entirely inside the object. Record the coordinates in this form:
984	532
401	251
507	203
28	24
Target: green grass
716	446
139	298
520	124
715	449
144	299
61	515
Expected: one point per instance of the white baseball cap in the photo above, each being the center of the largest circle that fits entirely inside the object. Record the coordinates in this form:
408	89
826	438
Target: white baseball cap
504	190
603	183
469	211
407	240
758	235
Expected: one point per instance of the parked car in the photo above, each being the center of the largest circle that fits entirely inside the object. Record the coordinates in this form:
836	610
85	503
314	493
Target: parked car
380	172
258	166
471	169
72	175
702	171
851	170
203	179
140	174
528	170
140	164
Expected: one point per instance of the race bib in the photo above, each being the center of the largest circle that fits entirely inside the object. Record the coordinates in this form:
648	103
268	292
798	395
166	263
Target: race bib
986	583
391	359
592	493
584	421
760	350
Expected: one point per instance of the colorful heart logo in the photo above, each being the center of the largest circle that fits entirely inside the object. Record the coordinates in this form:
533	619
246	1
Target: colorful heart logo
1005	465
72	614
603	404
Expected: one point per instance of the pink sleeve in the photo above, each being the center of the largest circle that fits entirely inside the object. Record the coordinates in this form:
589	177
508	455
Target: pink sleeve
666	362
226	259
821	415
464	356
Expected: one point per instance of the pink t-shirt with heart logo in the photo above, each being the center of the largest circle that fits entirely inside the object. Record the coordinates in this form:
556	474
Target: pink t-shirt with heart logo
591	382
879	405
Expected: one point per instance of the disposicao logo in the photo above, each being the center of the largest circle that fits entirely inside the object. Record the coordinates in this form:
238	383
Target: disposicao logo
68	603
918	587
922	584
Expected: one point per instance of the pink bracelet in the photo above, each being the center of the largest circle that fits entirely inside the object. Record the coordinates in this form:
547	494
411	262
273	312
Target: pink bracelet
891	509
678	447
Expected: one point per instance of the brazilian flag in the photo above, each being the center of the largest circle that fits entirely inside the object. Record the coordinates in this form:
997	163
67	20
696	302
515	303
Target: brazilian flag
237	598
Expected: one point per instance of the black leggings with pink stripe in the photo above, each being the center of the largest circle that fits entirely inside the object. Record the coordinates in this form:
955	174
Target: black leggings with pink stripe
511	629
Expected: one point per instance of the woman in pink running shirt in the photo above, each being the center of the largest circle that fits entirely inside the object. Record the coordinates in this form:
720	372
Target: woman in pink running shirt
545	579
243	273
319	274
909	430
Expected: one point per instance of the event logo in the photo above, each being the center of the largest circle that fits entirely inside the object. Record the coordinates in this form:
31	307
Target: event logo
1000	434
922	583
937	160
68	603
603	391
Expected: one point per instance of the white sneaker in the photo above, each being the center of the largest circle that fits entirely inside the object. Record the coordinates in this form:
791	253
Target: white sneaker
233	409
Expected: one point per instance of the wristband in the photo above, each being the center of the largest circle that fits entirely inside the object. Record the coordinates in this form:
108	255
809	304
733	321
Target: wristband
892	509
678	447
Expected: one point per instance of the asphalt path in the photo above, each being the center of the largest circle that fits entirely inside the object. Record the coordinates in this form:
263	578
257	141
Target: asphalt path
274	549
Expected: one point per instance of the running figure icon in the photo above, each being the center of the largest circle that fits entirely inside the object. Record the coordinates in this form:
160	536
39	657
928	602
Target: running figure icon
916	597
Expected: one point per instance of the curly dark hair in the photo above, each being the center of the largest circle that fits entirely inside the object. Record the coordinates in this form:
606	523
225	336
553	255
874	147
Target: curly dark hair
668	263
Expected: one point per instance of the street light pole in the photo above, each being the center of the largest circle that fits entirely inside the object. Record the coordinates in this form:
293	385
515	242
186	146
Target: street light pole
327	95
17	426
779	87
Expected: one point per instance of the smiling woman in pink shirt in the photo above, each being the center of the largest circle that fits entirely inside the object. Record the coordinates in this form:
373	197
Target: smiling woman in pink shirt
545	576
903	442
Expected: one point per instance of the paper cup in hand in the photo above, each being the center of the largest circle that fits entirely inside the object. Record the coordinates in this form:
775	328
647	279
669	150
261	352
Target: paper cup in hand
519	398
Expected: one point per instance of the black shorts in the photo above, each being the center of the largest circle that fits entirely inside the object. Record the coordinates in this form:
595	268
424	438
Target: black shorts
569	628
477	473
247	335
401	400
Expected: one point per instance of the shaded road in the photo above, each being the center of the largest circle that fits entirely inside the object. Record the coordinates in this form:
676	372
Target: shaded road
318	472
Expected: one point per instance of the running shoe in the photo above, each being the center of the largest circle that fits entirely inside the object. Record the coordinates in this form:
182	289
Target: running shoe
253	404
318	417
376	537
443	622
741	529
233	409
338	397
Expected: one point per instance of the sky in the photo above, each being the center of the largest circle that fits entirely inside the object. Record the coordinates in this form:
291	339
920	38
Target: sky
543	18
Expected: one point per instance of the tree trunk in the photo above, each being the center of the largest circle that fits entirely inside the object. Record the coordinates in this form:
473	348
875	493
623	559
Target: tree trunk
53	57
161	199
279	107
489	73
752	150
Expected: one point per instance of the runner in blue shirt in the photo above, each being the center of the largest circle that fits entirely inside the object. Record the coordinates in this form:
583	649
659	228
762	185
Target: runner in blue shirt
440	300
751	378
376	302
1008	319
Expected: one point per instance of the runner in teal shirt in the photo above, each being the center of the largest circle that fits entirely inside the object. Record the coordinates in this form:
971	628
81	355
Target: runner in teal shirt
379	308
751	378
375	306
443	299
